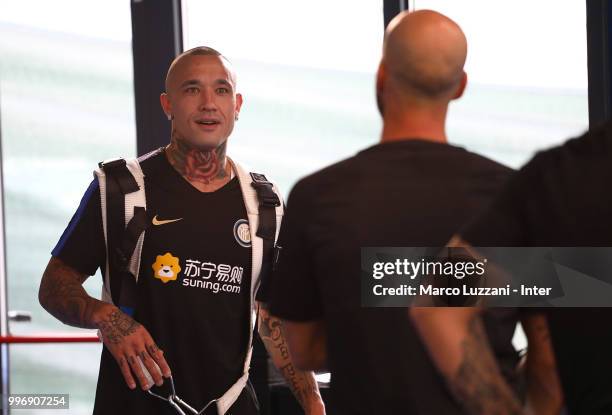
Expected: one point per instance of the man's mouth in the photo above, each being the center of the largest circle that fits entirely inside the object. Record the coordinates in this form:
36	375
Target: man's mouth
207	122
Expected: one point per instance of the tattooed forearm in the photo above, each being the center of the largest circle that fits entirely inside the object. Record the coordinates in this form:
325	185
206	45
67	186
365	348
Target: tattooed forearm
544	392
304	387
302	384
117	325
196	165
62	294
270	332
478	383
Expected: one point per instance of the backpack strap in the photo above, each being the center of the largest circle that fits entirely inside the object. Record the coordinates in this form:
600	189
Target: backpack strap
125	219
268	201
125	251
264	210
266	230
270	204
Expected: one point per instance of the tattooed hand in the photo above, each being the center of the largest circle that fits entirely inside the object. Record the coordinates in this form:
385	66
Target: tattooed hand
62	294
128	341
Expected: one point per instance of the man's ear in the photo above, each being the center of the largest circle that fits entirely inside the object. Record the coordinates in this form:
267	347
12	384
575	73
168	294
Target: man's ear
166	105
239	101
381	77
461	88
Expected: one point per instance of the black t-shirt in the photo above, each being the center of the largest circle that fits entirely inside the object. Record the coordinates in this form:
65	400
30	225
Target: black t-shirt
562	197
193	288
405	193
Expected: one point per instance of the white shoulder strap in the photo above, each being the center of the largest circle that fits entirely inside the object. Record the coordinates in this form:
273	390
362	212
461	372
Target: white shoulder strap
252	207
131	200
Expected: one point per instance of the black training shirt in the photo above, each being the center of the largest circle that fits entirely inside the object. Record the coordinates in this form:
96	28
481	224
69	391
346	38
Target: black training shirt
404	193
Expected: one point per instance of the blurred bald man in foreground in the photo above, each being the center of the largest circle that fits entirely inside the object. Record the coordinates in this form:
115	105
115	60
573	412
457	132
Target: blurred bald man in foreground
411	189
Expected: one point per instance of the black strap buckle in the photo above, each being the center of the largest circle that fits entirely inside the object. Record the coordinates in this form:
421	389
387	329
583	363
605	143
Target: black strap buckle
265	192
259	178
117	170
112	164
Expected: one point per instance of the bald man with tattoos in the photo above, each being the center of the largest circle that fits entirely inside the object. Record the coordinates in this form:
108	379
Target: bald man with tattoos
194	295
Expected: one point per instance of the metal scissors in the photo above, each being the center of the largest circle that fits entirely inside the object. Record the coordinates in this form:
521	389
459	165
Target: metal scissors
177	402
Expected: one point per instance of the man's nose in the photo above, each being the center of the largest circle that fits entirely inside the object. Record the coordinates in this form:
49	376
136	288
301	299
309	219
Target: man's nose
207	102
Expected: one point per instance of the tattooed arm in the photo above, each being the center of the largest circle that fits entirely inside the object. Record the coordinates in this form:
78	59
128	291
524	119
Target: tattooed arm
302	384
544	393
62	294
458	345
308	344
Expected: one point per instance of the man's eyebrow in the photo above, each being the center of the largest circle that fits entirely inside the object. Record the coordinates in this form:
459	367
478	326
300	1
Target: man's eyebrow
224	82
219	81
190	82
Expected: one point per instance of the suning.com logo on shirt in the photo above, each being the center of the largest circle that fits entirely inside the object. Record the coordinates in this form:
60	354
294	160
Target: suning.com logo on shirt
214	277
199	274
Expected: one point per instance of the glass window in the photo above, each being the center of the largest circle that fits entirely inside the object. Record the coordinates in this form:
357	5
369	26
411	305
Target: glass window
527	76
306	71
66	103
71	371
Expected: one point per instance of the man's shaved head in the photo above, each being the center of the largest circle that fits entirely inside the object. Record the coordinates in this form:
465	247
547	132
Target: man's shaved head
201	99
423	55
198	51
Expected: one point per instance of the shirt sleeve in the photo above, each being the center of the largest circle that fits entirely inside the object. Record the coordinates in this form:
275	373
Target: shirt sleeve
293	290
82	245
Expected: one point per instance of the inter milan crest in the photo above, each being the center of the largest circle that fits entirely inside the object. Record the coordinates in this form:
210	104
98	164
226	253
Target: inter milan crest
242	233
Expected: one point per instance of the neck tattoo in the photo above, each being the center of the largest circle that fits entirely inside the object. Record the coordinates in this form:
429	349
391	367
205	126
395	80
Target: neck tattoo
198	166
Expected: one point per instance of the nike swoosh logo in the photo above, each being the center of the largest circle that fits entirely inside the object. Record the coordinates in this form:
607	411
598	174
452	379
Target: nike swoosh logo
156	221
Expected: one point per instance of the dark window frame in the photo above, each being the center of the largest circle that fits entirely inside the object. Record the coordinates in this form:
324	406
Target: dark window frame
599	51
157	38
393	7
